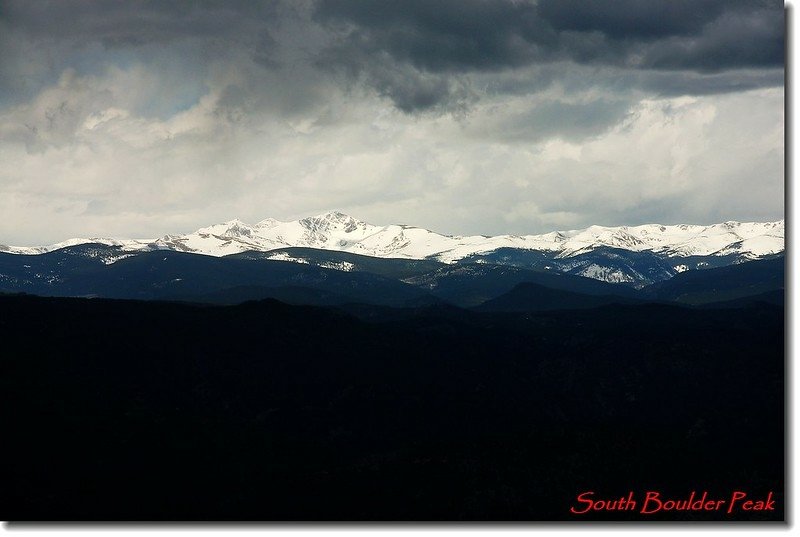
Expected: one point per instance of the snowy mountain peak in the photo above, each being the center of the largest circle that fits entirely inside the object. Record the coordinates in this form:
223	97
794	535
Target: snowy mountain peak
232	228
333	220
335	230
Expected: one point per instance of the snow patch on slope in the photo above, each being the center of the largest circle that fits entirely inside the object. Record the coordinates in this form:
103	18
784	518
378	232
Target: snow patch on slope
605	274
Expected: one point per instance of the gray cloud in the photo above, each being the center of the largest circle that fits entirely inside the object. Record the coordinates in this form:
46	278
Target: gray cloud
422	55
551	118
118	24
466	116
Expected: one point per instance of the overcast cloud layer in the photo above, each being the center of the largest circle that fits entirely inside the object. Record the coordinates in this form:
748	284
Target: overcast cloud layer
135	119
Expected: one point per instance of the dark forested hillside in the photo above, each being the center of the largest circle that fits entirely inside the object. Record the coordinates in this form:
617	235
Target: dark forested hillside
265	411
733	282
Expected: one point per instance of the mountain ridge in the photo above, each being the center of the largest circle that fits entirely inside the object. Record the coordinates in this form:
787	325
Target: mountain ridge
340	232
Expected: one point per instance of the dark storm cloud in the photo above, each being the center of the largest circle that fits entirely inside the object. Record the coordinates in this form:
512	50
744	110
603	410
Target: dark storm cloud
639	19
449	37
422	55
459	35
411	90
733	40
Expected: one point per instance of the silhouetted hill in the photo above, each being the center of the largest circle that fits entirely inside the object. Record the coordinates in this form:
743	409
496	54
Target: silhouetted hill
721	284
300	296
772	298
533	297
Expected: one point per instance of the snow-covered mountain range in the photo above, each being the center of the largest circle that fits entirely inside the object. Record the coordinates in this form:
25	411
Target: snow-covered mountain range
340	232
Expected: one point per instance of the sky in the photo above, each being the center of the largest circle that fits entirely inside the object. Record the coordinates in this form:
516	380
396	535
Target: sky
141	118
